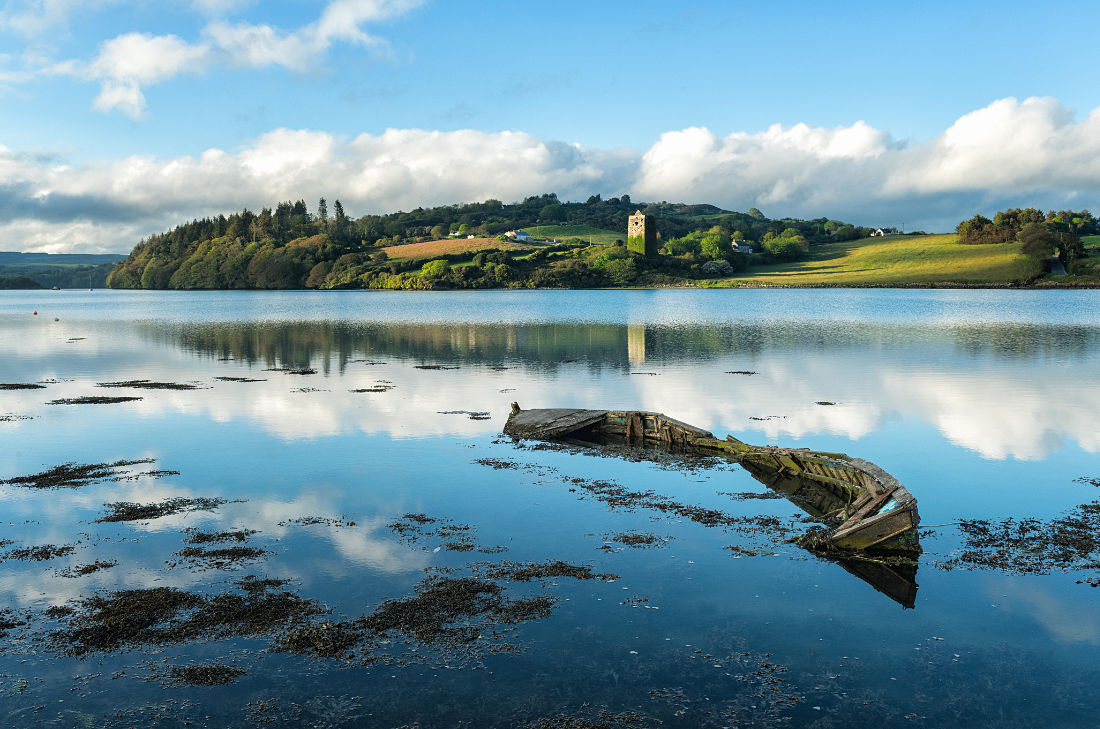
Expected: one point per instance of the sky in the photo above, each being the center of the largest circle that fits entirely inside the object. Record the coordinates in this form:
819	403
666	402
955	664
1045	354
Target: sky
122	118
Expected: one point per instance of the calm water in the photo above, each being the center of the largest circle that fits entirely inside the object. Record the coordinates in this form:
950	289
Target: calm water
983	403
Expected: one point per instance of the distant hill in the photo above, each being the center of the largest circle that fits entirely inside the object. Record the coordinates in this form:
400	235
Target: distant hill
14	258
18	282
63	270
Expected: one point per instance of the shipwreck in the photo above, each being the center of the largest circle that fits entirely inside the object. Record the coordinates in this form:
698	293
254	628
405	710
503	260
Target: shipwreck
869	519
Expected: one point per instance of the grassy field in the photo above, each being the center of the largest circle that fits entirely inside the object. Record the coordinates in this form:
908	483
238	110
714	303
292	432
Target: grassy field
1090	241
896	260
599	236
434	248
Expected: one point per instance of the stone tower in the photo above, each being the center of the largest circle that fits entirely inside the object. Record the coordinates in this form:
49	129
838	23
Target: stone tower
641	234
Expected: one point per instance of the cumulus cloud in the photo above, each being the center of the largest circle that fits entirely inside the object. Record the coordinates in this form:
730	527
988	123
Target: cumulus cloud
1008	153
1030	152
50	207
131	61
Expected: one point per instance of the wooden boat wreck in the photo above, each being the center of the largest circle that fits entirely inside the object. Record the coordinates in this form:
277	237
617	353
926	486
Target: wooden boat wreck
870	519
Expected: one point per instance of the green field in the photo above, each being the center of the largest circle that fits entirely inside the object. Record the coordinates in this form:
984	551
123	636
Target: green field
1090	241
599	236
897	260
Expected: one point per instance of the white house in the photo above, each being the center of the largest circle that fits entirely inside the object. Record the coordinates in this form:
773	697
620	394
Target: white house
879	232
520	235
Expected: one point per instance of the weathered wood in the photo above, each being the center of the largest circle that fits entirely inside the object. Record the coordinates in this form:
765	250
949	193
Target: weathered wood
857	489
550	423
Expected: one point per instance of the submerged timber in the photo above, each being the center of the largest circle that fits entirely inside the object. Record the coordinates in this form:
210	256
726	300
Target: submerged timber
871	519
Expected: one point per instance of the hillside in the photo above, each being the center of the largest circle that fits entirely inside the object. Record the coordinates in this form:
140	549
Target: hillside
464	247
587	233
64	270
898	260
291	247
449	247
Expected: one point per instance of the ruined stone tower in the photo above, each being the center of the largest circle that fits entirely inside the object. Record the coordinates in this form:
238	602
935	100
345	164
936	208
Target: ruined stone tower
641	234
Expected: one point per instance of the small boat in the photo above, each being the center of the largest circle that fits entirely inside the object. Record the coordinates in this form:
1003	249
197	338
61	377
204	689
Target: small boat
864	507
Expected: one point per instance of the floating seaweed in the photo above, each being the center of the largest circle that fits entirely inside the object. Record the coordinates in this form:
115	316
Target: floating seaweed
414	528
129	511
752	495
374	388
202	674
161	616
636	540
219	557
1031	546
472	414
92	400
75	475
240	379
435	367
21	386
39	553
149	385
87	569
599	719
195	536
541	571
339	521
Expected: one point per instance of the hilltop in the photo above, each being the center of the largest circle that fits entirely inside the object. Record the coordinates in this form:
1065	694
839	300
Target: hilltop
542	242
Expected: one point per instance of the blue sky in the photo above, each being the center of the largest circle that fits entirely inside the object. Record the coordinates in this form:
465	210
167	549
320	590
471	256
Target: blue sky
119	118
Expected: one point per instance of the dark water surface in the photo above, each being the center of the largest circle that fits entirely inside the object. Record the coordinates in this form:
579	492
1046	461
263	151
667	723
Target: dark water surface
983	403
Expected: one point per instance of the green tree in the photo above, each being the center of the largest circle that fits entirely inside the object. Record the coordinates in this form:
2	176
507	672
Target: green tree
1038	241
435	269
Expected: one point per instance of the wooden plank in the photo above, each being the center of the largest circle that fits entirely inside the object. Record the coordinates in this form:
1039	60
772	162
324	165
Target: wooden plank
550	422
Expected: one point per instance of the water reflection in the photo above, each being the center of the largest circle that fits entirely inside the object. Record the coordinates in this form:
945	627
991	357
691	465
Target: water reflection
996	389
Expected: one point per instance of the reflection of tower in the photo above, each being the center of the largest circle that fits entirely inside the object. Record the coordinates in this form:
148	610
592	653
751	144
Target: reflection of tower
635	343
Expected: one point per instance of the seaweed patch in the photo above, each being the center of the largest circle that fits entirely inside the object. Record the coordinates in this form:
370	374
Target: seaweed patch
39	553
414	529
218	557
92	400
75	475
472	414
149	385
86	569
202	674
162	616
339	521
129	511
21	386
1030	546
634	540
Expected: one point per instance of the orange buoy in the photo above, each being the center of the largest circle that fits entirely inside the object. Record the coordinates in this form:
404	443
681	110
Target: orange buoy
36	313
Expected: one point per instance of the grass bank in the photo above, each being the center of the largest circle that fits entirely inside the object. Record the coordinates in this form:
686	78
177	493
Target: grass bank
897	260
598	236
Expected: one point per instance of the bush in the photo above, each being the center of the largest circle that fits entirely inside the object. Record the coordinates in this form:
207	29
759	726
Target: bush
435	269
712	269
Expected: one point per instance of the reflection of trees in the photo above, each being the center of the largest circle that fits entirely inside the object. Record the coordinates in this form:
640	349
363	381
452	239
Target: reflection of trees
329	345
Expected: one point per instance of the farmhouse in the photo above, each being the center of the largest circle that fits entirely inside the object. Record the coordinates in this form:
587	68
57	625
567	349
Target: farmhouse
520	235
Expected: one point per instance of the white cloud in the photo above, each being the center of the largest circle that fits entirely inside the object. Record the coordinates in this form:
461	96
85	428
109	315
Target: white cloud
1008	153
854	173
131	61
35	17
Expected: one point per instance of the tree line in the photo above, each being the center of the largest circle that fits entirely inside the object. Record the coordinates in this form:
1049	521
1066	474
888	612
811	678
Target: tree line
289	246
1040	235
